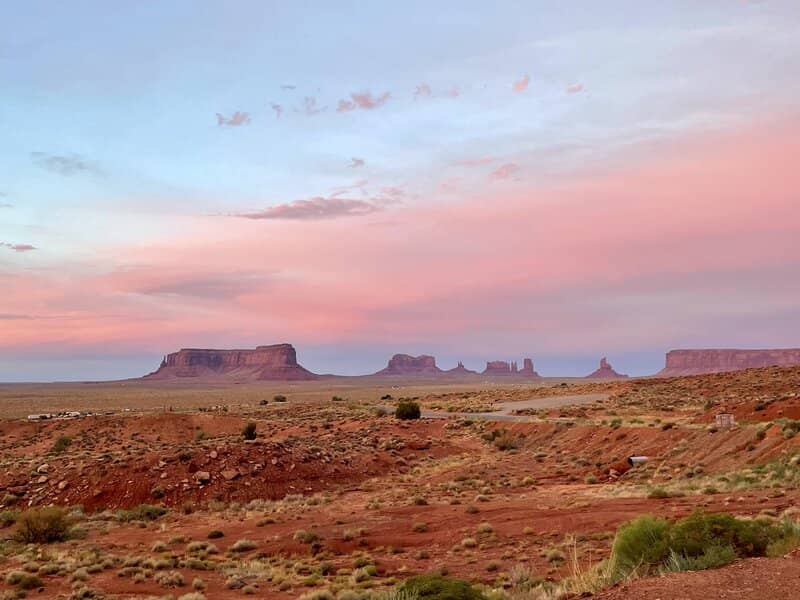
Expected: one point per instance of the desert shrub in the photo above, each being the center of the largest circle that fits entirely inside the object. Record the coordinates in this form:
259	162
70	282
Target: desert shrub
436	587
169	579
215	534
23	580
249	431
8	517
711	558
143	512
61	444
306	537
658	492
699	541
157	492
279	398
244	546
407	411
43	525
642	543
192	596
502	439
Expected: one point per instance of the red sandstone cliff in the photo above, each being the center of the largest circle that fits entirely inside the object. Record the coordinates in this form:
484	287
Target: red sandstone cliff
697	362
502	367
606	371
405	364
277	362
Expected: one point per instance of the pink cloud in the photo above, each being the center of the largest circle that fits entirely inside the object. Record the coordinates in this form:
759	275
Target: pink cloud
575	89
363	101
521	85
318	208
237	119
18	247
505	171
695	237
453	92
423	90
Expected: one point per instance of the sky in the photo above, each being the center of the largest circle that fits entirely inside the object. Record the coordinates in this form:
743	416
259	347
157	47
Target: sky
561	180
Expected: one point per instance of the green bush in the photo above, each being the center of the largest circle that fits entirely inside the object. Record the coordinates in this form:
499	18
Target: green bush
436	587
699	541
143	512
642	543
407	411
249	431
43	525
279	398
61	444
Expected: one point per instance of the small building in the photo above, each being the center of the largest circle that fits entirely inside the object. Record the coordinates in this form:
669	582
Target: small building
725	420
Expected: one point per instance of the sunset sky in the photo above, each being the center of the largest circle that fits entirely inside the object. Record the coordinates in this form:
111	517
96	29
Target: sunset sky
475	180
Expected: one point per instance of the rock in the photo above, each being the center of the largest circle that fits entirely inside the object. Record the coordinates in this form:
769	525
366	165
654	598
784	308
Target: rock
43	468
460	369
230	474
62	485
502	367
213	454
42	479
697	362
202	477
606	371
277	362
405	364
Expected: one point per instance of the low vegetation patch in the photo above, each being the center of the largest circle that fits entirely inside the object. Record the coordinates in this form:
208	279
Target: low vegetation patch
407	411
43	525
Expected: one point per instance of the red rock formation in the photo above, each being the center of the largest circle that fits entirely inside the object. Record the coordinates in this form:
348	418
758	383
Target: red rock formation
405	364
277	362
606	371
527	368
460	370
497	367
697	362
501	367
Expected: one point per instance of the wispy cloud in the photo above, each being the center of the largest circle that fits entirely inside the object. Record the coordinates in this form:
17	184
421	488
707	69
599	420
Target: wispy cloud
237	119
310	107
453	92
474	162
64	164
17	247
6	205
14	317
278	108
576	88
360	185
363	101
504	172
357	163
521	84
320	208
423	90
287	86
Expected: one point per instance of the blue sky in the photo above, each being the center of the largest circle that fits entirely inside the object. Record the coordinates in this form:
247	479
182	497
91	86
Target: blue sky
114	161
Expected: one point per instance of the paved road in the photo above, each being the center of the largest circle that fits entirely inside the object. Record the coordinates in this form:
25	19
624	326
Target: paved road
507	408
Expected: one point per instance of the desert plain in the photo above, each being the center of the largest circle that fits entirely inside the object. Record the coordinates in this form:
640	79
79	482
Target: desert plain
315	489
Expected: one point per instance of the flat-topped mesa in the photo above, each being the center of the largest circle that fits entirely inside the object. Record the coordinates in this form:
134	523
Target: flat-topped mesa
405	364
277	362
606	371
502	367
719	360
